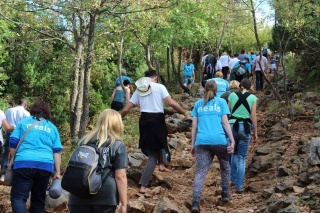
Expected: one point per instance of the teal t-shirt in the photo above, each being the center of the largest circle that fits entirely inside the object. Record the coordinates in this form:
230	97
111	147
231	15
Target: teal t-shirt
222	85
241	112
39	145
210	129
187	70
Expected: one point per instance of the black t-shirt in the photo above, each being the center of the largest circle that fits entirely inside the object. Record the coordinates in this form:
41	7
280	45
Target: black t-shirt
108	194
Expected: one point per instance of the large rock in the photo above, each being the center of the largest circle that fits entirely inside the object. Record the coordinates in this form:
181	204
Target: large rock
178	142
314	155
167	205
280	204
263	163
136	159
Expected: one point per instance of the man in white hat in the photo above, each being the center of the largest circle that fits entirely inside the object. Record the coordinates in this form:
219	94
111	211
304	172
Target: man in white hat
153	130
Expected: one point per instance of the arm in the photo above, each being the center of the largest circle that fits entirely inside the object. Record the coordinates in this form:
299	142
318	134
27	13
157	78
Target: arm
253	117
57	164
6	125
121	180
177	107
193	134
227	128
127	95
114	92
126	109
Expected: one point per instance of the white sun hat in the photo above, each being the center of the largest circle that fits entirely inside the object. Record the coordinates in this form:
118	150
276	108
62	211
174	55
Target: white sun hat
143	86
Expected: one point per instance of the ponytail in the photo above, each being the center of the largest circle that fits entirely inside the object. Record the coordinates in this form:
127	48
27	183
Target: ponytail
210	91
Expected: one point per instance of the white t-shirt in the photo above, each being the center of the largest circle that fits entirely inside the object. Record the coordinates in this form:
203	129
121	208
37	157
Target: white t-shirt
16	114
232	62
224	60
153	102
218	65
2	117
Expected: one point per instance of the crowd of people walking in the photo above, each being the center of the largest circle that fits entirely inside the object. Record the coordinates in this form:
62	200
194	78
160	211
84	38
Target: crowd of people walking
224	122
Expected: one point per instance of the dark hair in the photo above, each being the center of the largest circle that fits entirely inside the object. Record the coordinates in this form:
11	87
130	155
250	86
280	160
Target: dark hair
242	51
150	73
22	101
245	84
126	82
236	55
41	109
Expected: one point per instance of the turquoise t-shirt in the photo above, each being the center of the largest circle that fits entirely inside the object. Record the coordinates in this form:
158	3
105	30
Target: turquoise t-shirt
241	112
223	85
187	70
39	145
210	130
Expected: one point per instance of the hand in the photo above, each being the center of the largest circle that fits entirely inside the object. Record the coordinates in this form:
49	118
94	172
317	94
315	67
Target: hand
122	208
230	149
187	117
255	138
193	152
56	176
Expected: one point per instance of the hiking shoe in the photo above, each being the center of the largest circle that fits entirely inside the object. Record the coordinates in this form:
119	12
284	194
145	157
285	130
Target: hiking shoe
239	191
2	179
225	197
195	207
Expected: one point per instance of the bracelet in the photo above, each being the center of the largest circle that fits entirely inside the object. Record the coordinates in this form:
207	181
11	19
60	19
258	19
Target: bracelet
186	113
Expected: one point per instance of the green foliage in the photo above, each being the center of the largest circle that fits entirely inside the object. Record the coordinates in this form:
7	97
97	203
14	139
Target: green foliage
273	107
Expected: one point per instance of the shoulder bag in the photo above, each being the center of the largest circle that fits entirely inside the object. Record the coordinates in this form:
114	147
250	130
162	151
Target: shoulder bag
8	173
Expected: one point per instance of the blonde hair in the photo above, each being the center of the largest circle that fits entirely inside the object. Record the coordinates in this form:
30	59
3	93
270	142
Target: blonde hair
218	74
234	84
210	91
109	126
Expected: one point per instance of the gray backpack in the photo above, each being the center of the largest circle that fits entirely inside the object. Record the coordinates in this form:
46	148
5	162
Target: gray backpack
88	168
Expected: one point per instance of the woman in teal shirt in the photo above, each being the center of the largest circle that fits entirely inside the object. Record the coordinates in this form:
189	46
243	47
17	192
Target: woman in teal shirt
209	127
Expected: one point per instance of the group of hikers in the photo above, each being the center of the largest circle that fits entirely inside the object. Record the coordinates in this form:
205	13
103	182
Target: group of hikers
223	123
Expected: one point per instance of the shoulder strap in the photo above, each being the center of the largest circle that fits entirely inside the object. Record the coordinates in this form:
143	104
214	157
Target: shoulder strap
22	138
242	100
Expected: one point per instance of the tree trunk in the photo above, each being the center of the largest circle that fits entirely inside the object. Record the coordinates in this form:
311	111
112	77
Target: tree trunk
148	56
168	67
87	74
177	71
77	91
278	97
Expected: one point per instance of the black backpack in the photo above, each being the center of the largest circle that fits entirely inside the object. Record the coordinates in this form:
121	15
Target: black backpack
88	168
210	65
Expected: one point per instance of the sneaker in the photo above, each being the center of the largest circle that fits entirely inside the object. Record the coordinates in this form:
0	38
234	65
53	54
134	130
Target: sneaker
225	197
239	191
195	207
2	179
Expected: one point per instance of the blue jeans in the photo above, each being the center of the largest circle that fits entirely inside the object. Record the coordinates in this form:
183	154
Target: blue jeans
27	180
186	80
6	151
259	80
238	159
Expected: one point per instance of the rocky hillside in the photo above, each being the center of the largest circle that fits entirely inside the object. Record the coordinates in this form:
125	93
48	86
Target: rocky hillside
282	175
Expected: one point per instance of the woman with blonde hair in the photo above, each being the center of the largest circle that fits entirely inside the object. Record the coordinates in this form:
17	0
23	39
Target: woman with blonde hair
233	87
109	129
209	127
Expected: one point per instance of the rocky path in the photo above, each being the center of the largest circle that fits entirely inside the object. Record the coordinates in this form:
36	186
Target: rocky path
279	178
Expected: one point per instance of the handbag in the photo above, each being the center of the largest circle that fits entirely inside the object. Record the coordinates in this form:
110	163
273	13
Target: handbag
8	173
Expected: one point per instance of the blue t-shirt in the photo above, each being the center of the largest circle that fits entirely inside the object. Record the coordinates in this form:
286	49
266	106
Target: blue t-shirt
248	66
273	61
223	85
187	70
210	130
117	82
39	145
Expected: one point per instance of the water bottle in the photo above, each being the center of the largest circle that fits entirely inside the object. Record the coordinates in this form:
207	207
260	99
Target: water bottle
55	189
